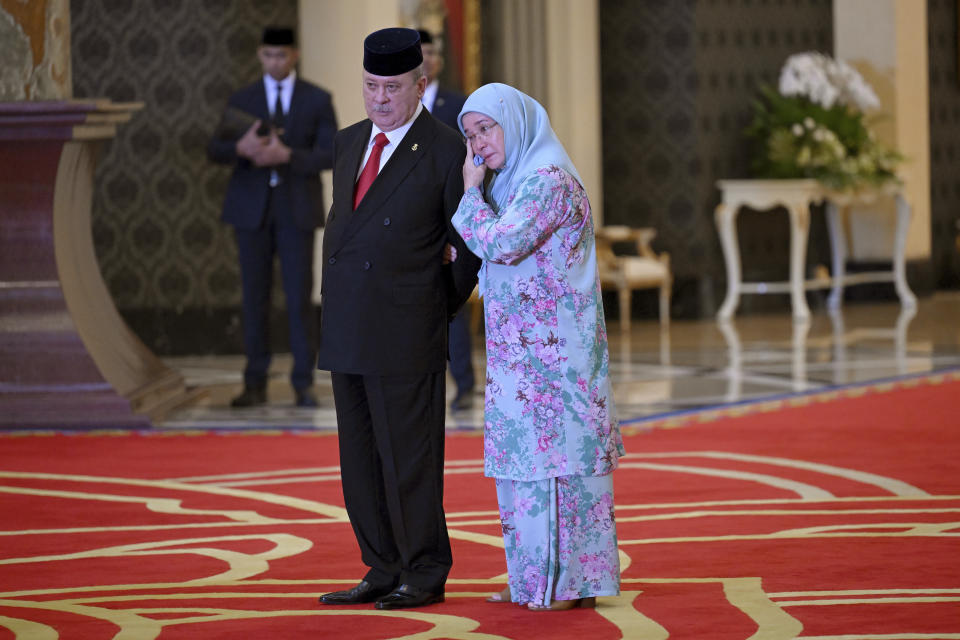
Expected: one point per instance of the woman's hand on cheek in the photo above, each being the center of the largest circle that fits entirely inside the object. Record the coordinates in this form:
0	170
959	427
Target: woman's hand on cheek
472	174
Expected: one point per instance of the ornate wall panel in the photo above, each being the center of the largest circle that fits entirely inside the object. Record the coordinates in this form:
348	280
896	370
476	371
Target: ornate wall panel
168	260
944	142
677	81
648	80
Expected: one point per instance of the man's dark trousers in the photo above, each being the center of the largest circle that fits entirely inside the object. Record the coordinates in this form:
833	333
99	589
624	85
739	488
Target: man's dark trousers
294	247
461	365
391	464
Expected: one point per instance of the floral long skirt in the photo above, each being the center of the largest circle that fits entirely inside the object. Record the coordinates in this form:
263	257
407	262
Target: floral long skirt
560	538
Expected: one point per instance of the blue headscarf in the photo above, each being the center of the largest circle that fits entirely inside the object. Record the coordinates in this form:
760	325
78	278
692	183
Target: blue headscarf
529	141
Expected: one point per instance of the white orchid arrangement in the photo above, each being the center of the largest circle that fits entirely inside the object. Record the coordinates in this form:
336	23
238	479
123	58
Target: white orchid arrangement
826	82
814	127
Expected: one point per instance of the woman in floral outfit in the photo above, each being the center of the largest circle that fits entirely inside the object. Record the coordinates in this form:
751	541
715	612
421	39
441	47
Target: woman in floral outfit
551	439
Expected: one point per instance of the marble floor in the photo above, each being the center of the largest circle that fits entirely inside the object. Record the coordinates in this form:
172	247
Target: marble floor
656	373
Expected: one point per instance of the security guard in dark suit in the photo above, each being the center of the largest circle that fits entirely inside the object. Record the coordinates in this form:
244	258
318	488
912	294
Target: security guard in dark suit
387	297
275	203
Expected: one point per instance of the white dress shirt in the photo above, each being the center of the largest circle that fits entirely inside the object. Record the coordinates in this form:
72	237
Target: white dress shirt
286	90
430	95
394	137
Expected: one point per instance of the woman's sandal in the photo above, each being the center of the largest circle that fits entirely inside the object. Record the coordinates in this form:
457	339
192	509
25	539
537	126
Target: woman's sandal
500	596
564	605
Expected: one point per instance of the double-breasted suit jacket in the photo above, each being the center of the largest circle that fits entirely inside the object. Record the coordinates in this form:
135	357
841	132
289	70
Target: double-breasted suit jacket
386	296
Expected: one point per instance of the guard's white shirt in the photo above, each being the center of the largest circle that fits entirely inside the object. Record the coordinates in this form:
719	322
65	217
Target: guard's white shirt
285	87
430	95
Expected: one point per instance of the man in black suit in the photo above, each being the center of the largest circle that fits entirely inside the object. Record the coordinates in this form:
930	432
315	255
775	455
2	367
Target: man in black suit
275	203
387	297
445	106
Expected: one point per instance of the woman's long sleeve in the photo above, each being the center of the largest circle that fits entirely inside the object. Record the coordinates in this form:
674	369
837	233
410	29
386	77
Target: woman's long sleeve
538	208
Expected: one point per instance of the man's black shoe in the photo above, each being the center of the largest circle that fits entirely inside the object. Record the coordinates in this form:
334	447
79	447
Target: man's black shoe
407	596
251	397
360	594
463	401
306	398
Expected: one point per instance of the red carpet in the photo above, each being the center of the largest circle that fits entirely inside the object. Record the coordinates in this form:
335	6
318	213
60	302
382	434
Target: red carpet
831	517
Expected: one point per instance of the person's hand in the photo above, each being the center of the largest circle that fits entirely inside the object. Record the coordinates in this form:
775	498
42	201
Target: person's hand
250	142
472	174
272	153
449	253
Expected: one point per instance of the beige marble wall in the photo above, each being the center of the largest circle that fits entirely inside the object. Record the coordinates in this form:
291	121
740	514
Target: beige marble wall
573	91
886	40
35	41
331	47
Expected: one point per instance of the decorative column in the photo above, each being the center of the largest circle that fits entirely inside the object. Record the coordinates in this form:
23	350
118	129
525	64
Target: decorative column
573	91
67	359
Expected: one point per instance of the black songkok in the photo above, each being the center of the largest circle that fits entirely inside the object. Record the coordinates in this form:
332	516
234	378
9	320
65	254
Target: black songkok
279	37
425	37
391	52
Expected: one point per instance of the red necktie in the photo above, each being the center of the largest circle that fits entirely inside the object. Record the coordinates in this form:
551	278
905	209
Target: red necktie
370	170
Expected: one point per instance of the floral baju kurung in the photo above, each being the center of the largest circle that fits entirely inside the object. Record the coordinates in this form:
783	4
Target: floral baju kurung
550	437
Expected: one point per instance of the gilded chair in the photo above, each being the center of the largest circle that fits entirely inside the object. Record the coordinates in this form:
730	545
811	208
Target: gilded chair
625	273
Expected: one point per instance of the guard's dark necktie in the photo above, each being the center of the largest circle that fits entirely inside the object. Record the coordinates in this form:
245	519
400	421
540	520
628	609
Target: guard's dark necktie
370	169
276	122
278	116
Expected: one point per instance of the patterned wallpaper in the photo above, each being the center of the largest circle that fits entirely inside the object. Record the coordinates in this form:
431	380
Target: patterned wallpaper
944	142
167	259
677	81
677	78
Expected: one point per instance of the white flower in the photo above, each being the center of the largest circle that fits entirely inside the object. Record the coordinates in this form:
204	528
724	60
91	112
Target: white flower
826	82
855	90
805	74
809	123
797	129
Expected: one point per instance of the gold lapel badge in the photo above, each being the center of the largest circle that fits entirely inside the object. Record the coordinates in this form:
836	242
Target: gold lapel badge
414	147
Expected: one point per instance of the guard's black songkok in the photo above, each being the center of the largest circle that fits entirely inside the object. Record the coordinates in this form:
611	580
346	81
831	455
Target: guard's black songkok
391	52
279	37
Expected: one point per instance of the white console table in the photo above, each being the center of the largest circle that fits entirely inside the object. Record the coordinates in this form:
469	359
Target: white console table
797	196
